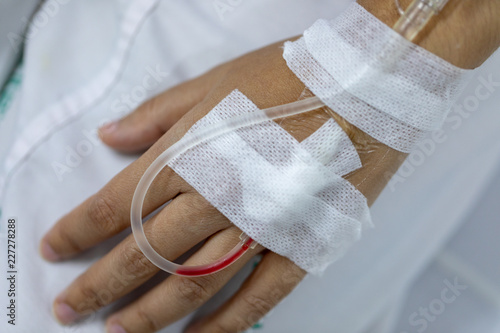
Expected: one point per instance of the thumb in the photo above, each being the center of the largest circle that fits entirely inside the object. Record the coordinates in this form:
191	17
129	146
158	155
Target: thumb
143	127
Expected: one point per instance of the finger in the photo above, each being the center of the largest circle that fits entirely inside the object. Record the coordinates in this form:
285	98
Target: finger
125	267
143	127
107	212
273	279
178	296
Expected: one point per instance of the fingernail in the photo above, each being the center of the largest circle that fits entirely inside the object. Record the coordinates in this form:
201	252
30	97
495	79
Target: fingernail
65	314
116	328
48	252
108	128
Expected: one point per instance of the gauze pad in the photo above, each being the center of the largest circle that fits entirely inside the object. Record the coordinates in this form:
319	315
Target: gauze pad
288	196
374	78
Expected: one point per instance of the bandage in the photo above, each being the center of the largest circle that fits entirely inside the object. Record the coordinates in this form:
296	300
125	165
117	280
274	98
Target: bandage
388	87
288	196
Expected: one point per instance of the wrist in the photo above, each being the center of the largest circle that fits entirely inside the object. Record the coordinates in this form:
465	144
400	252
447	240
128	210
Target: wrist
465	33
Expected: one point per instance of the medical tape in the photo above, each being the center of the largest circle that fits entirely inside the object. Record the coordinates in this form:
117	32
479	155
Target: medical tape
390	88
288	196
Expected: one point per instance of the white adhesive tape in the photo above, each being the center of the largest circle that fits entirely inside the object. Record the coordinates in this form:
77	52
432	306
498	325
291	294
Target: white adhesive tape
288	196
374	78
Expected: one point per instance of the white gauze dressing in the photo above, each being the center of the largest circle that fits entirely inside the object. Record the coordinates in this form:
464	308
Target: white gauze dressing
288	196
390	88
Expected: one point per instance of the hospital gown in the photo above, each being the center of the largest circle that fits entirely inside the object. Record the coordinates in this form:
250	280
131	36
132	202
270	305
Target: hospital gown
85	63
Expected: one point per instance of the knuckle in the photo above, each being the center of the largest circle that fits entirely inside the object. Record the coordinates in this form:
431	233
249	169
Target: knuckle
137	263
194	291
91	297
102	212
291	278
145	110
148	322
206	216
70	241
194	205
256	307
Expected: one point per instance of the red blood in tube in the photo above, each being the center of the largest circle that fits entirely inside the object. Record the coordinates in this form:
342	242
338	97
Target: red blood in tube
219	265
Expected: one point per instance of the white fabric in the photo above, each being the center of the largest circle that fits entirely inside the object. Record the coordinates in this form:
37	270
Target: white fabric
275	189
390	88
13	23
414	218
79	100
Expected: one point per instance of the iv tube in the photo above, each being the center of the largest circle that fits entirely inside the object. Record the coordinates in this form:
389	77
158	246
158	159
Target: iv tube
416	17
409	25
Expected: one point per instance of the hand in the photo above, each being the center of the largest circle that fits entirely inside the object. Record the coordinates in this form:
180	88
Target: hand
265	79
187	220
262	76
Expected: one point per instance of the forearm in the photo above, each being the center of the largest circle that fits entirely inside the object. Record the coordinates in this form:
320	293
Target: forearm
465	33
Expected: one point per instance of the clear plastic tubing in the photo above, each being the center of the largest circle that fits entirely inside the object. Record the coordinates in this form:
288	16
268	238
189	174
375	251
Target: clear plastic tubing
416	16
411	22
184	145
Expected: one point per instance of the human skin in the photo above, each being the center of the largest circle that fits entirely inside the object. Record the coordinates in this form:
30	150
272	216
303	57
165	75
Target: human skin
190	218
